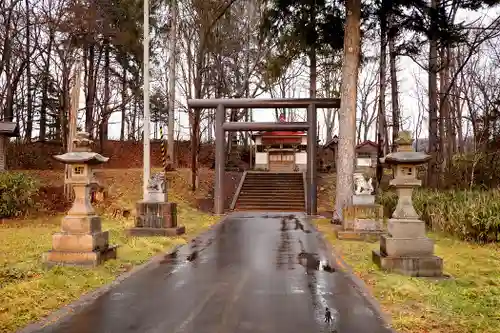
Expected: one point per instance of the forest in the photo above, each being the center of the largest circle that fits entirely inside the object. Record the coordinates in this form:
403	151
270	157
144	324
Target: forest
251	48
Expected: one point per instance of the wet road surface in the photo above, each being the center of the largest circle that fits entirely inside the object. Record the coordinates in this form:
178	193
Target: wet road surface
255	273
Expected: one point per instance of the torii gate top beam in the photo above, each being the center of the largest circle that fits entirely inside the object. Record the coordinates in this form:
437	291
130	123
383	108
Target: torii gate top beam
263	103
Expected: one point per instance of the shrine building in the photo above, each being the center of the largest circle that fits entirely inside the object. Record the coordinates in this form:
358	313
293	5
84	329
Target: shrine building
280	151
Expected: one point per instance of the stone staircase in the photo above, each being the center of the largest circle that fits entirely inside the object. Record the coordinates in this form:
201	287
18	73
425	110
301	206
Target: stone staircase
268	191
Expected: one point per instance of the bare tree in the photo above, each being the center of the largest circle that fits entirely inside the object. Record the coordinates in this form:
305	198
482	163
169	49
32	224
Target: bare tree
367	100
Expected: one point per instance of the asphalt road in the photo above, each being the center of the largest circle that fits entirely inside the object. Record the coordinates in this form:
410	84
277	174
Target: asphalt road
255	273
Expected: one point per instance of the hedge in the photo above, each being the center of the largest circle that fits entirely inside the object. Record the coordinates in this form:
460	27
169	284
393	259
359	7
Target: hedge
17	193
469	215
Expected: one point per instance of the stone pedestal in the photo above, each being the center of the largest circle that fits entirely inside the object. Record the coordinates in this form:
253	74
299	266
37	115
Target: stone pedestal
362	221
406	249
156	219
81	240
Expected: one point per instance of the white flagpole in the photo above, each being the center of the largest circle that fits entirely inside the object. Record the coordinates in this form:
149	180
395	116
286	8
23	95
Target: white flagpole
146	121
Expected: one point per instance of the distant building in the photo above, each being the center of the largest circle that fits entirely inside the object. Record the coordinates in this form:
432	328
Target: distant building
8	129
366	153
282	151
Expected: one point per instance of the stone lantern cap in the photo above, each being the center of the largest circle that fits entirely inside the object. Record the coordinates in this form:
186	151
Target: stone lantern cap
407	157
82	153
405	153
81	157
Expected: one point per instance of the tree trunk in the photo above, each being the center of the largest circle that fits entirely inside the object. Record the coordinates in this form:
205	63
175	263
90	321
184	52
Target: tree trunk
103	135
123	102
66	100
45	89
29	106
12	85
447	112
312	73
443	110
90	98
347	112
394	91
433	167
456	110
381	123
195	117
361	125
134	127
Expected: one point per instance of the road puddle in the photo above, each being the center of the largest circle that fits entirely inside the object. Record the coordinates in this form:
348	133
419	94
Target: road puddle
170	258
192	256
311	262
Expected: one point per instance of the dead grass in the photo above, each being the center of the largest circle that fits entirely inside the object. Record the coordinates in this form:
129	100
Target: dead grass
469	302
28	291
326	192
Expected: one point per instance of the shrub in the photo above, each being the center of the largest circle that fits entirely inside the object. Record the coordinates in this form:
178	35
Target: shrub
480	170
469	215
17	193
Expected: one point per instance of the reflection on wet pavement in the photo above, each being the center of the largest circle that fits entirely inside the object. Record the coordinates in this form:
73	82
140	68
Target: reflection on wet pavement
254	273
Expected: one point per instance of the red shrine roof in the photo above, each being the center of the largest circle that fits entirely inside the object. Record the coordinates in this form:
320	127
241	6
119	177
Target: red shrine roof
367	143
282	119
279	134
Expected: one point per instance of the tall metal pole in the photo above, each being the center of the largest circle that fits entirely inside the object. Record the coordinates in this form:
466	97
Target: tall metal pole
219	160
146	121
311	160
171	81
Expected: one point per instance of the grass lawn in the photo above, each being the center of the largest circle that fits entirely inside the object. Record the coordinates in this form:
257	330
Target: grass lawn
28	291
469	302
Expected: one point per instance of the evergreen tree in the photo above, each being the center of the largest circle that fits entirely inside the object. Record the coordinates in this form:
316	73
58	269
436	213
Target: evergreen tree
303	27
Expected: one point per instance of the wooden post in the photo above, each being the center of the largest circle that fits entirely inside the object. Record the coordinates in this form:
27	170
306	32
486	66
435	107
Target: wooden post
220	159
73	112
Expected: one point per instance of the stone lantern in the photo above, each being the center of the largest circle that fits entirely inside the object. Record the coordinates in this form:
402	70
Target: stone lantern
406	249
81	240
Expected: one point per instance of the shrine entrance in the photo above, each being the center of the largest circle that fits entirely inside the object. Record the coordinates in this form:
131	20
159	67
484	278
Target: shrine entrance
281	160
221	126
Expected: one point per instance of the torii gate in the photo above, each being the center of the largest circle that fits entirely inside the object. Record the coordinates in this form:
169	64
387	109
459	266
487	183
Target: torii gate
221	126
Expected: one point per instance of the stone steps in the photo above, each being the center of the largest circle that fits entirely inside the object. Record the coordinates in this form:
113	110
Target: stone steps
272	192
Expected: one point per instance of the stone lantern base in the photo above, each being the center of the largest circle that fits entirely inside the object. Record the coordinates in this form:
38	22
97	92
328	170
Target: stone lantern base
363	220
406	250
80	243
428	266
156	219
